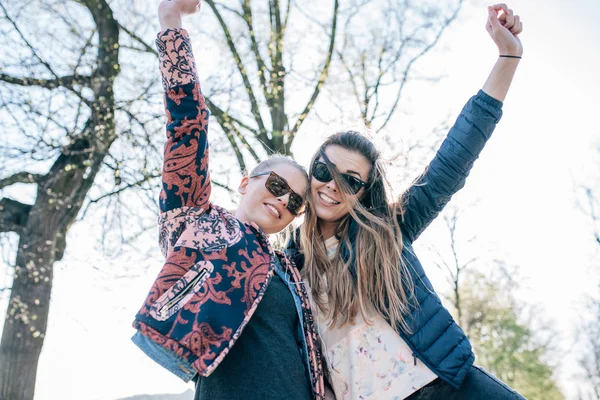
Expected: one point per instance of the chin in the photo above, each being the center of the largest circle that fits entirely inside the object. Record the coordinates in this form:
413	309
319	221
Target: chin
328	216
265	223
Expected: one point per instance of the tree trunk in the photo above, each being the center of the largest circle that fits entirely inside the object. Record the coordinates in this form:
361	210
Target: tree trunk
41	244
27	316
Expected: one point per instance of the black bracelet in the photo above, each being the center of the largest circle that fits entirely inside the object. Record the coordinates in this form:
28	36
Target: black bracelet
504	55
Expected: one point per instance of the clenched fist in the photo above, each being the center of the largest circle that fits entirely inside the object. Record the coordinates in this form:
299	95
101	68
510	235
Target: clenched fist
504	27
170	12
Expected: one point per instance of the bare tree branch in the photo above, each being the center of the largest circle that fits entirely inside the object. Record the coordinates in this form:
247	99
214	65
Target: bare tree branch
146	46
33	50
125	187
224	186
227	123
227	129
593	203
408	68
263	71
322	76
64	81
13	215
20	177
240	66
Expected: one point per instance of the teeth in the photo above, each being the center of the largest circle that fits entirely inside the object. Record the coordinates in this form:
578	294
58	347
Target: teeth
276	211
328	199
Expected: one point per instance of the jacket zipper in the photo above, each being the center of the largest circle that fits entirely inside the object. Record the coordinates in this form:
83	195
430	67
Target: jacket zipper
431	367
165	309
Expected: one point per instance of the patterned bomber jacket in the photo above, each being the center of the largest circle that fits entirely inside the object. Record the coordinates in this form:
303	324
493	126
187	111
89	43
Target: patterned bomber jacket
217	268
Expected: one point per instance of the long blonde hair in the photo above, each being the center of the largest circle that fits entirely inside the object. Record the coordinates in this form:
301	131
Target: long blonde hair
374	275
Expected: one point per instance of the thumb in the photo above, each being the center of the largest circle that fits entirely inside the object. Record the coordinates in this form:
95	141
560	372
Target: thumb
493	18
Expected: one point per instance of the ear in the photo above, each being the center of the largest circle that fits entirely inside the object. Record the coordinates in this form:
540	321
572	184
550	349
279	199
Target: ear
243	188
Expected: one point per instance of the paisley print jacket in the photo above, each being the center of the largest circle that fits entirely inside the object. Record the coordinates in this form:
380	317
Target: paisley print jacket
217	268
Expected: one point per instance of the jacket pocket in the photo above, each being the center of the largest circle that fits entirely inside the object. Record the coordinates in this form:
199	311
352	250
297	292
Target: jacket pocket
182	291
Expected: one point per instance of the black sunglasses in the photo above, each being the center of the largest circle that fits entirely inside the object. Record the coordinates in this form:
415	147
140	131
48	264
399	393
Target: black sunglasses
321	172
278	187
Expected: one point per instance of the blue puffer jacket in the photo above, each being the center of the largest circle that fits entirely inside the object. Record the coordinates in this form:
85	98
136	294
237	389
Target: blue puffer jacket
436	339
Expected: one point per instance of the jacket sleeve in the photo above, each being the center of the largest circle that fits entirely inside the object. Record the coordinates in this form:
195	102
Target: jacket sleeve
185	176
447	172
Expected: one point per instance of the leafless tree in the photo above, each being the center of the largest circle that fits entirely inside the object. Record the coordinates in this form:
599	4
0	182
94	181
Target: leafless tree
454	266
590	359
588	201
379	55
77	121
510	337
269	93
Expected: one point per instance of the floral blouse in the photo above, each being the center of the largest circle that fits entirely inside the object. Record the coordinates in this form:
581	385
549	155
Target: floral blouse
369	360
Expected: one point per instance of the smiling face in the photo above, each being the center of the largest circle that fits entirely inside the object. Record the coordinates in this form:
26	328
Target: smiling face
258	205
327	199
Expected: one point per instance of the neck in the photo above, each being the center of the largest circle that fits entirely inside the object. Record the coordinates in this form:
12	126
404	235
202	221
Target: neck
239	214
327	228
242	216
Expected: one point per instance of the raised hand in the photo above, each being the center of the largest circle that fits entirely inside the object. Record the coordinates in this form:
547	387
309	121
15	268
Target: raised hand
170	12
504	28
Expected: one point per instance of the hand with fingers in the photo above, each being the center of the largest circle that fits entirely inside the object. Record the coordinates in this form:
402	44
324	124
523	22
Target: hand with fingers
504	27
170	12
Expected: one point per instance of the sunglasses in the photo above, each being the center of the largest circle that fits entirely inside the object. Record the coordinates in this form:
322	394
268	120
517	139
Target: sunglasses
321	172
278	187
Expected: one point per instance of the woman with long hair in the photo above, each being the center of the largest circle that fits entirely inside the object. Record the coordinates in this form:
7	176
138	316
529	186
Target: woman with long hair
385	333
222	283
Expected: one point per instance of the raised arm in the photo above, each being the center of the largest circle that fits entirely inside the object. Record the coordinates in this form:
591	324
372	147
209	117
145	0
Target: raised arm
185	176
447	172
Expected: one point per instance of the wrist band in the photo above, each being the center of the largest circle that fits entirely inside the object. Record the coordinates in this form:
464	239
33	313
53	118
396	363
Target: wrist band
507	56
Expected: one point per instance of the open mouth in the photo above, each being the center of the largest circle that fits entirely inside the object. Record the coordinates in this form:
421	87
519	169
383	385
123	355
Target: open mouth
273	210
327	199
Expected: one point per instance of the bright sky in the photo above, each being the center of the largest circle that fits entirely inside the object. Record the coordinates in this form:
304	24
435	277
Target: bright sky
523	183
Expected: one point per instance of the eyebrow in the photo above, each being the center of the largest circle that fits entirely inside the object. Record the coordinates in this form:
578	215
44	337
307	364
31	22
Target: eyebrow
347	172
353	172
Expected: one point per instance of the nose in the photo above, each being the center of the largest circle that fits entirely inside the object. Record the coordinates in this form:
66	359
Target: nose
332	185
284	199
